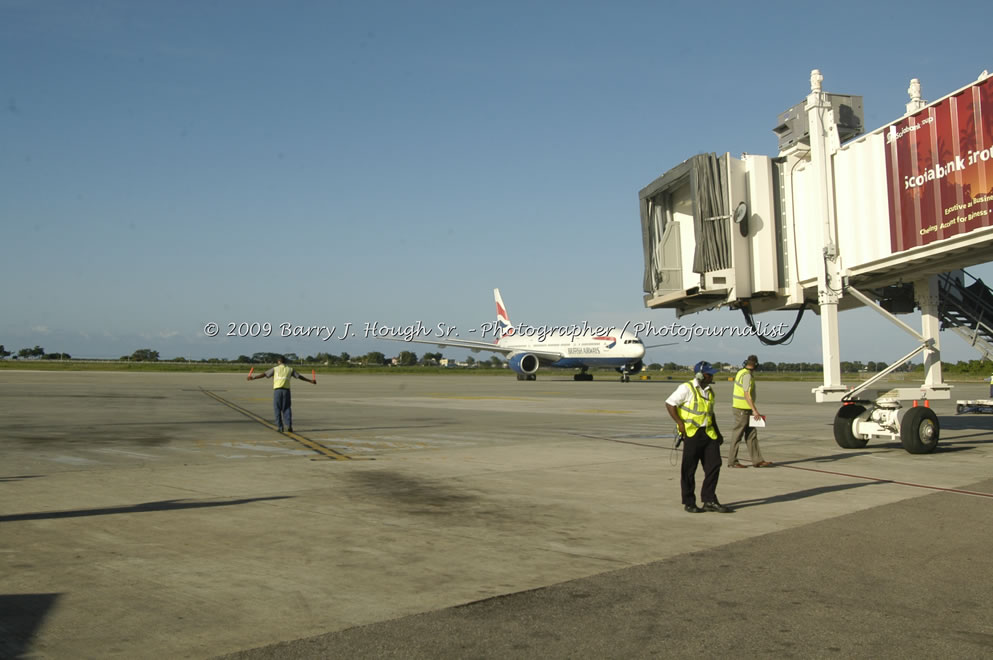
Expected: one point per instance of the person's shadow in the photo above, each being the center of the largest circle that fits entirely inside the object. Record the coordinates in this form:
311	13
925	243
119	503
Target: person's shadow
800	494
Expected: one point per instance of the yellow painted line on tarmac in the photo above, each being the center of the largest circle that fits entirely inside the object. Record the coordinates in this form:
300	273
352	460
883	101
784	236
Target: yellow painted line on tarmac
326	452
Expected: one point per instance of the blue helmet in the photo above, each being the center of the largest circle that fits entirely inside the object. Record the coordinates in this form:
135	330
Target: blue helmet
704	367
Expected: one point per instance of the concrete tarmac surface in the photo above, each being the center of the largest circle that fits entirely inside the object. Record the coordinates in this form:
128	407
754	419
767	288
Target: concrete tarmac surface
153	515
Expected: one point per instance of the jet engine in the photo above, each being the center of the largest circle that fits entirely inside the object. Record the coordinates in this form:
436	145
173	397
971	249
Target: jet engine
524	365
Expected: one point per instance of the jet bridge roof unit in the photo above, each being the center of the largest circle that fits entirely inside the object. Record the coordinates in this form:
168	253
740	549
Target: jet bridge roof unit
792	126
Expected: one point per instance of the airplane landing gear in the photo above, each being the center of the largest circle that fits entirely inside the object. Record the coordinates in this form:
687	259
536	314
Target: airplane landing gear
919	431
844	422
583	375
916	428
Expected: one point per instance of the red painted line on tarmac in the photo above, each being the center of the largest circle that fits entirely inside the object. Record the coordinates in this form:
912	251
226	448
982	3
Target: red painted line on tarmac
958	491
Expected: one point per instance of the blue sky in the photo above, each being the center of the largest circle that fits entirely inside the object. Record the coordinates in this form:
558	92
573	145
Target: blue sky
169	164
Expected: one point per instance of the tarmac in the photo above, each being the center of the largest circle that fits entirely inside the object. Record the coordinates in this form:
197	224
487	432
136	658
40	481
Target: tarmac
147	515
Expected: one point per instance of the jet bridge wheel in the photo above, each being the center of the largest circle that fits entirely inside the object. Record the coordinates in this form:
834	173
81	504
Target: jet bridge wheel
844	435
919	431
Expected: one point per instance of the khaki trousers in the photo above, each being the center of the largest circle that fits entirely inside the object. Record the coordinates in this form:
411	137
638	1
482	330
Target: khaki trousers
742	431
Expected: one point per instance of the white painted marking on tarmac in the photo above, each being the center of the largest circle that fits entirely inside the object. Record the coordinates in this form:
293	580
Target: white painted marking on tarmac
74	460
128	453
270	449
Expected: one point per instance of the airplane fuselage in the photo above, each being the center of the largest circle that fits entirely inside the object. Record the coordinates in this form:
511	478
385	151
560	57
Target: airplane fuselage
614	349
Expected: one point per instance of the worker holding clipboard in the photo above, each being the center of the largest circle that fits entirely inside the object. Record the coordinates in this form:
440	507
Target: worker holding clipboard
746	417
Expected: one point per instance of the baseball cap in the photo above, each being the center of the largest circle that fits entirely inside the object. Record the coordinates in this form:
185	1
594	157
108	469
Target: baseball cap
704	367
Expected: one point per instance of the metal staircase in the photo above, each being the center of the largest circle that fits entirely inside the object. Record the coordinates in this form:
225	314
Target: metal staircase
966	307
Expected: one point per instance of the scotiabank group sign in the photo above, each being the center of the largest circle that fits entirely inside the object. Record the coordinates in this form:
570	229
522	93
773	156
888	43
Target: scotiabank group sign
939	167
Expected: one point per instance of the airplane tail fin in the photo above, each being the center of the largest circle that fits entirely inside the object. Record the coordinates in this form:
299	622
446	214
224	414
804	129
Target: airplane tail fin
504	328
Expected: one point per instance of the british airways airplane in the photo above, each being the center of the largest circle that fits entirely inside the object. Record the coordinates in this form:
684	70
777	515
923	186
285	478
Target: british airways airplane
565	347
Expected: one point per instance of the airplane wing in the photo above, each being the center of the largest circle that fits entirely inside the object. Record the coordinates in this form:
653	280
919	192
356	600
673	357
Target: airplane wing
476	346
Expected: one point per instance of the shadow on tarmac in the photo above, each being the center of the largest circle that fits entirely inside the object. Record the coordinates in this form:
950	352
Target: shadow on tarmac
942	448
830	458
800	494
20	477
964	439
21	615
982	428
163	505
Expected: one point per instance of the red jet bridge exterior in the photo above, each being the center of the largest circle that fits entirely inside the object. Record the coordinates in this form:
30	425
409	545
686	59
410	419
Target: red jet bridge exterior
826	226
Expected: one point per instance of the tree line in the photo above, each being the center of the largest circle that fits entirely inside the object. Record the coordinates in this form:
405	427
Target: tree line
411	359
33	353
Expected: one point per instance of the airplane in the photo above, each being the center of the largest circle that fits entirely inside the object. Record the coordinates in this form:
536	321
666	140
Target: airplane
564	347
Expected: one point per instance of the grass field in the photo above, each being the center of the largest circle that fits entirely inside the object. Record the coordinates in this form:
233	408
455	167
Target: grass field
599	374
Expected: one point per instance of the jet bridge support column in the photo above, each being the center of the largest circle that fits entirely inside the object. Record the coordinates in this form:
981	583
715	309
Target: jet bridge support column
928	298
824	142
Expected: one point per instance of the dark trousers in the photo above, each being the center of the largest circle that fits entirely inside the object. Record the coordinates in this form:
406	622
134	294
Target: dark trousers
700	449
281	407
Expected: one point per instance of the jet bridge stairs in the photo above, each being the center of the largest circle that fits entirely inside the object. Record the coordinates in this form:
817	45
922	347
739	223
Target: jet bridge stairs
966	308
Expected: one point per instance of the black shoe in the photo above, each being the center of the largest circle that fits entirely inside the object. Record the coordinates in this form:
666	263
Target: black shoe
280	429
291	429
716	507
692	508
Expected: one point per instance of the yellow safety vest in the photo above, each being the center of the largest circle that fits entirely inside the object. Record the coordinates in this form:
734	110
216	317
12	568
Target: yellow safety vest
697	416
281	377
738	397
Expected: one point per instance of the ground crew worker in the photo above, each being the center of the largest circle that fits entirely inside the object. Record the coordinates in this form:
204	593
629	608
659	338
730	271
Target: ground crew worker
281	376
691	406
743	407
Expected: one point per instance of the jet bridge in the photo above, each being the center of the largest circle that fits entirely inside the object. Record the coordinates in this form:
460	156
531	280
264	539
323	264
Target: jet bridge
840	219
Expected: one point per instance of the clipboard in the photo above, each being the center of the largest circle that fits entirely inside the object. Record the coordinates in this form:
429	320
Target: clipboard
756	423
